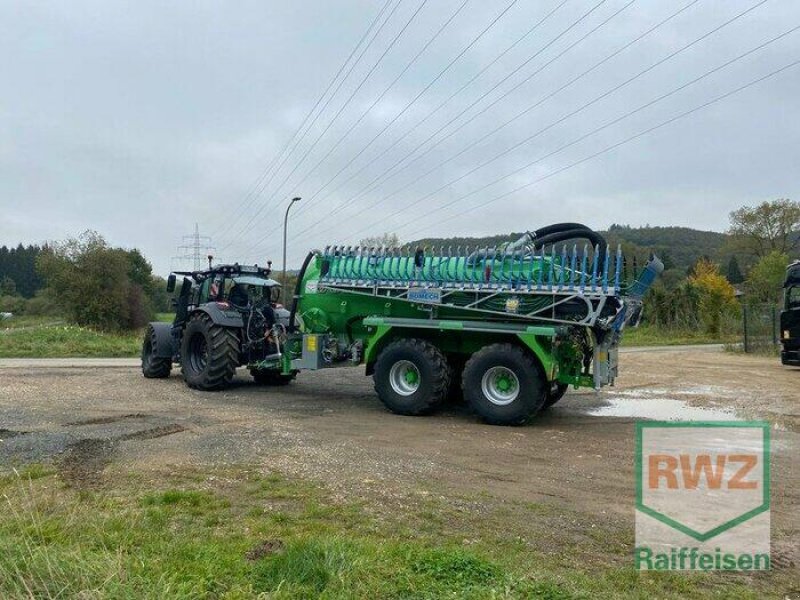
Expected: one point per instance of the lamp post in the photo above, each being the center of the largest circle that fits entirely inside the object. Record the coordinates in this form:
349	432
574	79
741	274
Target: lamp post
285	227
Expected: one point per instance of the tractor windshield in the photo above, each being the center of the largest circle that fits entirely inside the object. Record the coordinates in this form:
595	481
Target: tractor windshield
247	289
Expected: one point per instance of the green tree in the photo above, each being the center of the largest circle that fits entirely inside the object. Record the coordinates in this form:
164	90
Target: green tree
8	287
97	284
387	240
770	226
765	280
734	272
716	296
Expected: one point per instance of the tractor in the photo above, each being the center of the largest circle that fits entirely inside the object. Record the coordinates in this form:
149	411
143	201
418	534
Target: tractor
226	316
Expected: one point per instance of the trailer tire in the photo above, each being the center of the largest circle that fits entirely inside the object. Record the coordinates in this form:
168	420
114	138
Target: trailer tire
262	377
209	354
411	377
153	367
555	393
504	385
455	392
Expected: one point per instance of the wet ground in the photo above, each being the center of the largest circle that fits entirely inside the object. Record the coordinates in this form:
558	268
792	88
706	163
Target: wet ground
329	426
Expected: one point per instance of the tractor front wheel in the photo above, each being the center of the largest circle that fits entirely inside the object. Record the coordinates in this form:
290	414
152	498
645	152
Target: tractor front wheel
411	377
504	385
209	354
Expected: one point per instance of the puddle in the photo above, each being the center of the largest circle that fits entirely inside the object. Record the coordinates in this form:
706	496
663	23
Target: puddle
657	409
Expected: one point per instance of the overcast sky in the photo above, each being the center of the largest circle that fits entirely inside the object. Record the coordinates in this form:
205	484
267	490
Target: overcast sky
138	119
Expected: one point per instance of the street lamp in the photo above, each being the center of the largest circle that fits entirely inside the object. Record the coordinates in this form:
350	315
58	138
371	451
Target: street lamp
285	226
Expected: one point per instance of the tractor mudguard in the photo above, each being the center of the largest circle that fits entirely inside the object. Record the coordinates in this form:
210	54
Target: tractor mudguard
163	344
221	317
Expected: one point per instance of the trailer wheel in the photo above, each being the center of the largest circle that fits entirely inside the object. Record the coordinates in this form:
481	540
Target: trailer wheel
411	377
455	393
153	367
209	354
555	393
504	385
263	377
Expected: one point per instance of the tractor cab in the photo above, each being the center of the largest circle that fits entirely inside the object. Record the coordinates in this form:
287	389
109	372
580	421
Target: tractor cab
790	317
230	287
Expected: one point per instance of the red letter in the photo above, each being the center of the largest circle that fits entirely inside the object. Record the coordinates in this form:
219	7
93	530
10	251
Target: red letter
736	482
691	477
668	472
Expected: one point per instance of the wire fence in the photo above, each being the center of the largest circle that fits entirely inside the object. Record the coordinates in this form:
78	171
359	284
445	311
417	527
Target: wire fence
760	327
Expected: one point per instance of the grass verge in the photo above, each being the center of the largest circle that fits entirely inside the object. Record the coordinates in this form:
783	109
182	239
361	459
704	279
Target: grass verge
47	337
646	335
238	534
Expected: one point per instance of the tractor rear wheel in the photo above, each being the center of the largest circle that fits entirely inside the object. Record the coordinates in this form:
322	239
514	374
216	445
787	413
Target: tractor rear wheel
555	393
263	377
411	377
504	385
209	354
153	367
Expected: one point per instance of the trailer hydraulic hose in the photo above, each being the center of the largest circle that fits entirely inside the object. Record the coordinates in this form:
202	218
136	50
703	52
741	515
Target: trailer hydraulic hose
598	241
556	228
298	289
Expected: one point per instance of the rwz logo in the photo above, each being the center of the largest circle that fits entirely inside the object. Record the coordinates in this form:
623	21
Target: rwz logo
704	485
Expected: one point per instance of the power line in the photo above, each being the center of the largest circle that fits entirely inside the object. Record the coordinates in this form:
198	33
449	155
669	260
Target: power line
265	185
336	116
528	109
446	101
414	100
496	85
620	143
251	194
578	110
407	106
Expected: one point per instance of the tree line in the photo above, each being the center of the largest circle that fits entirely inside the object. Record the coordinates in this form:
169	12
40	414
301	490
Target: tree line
84	280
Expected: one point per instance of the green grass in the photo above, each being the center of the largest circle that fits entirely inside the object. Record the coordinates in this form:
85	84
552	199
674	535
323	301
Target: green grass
647	335
233	534
50	340
49	337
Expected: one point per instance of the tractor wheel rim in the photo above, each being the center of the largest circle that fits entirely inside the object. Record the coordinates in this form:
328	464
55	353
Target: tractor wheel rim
404	377
199	352
500	386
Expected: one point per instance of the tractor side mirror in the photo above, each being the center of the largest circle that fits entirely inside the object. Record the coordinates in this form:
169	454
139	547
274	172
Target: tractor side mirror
171	283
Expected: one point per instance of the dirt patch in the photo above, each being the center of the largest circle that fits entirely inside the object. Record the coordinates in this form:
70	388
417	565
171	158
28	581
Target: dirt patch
10	433
264	549
154	433
84	461
105	420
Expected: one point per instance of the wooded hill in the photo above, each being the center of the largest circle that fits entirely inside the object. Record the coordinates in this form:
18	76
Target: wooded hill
678	247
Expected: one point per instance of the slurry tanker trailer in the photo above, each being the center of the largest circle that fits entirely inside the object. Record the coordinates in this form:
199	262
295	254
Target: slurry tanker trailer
510	327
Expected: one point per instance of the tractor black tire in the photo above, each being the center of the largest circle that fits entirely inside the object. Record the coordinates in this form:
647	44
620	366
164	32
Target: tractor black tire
455	392
504	385
411	377
209	354
262	377
555	393
153	367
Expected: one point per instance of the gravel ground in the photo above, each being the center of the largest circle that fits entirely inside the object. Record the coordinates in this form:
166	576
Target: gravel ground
330	427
